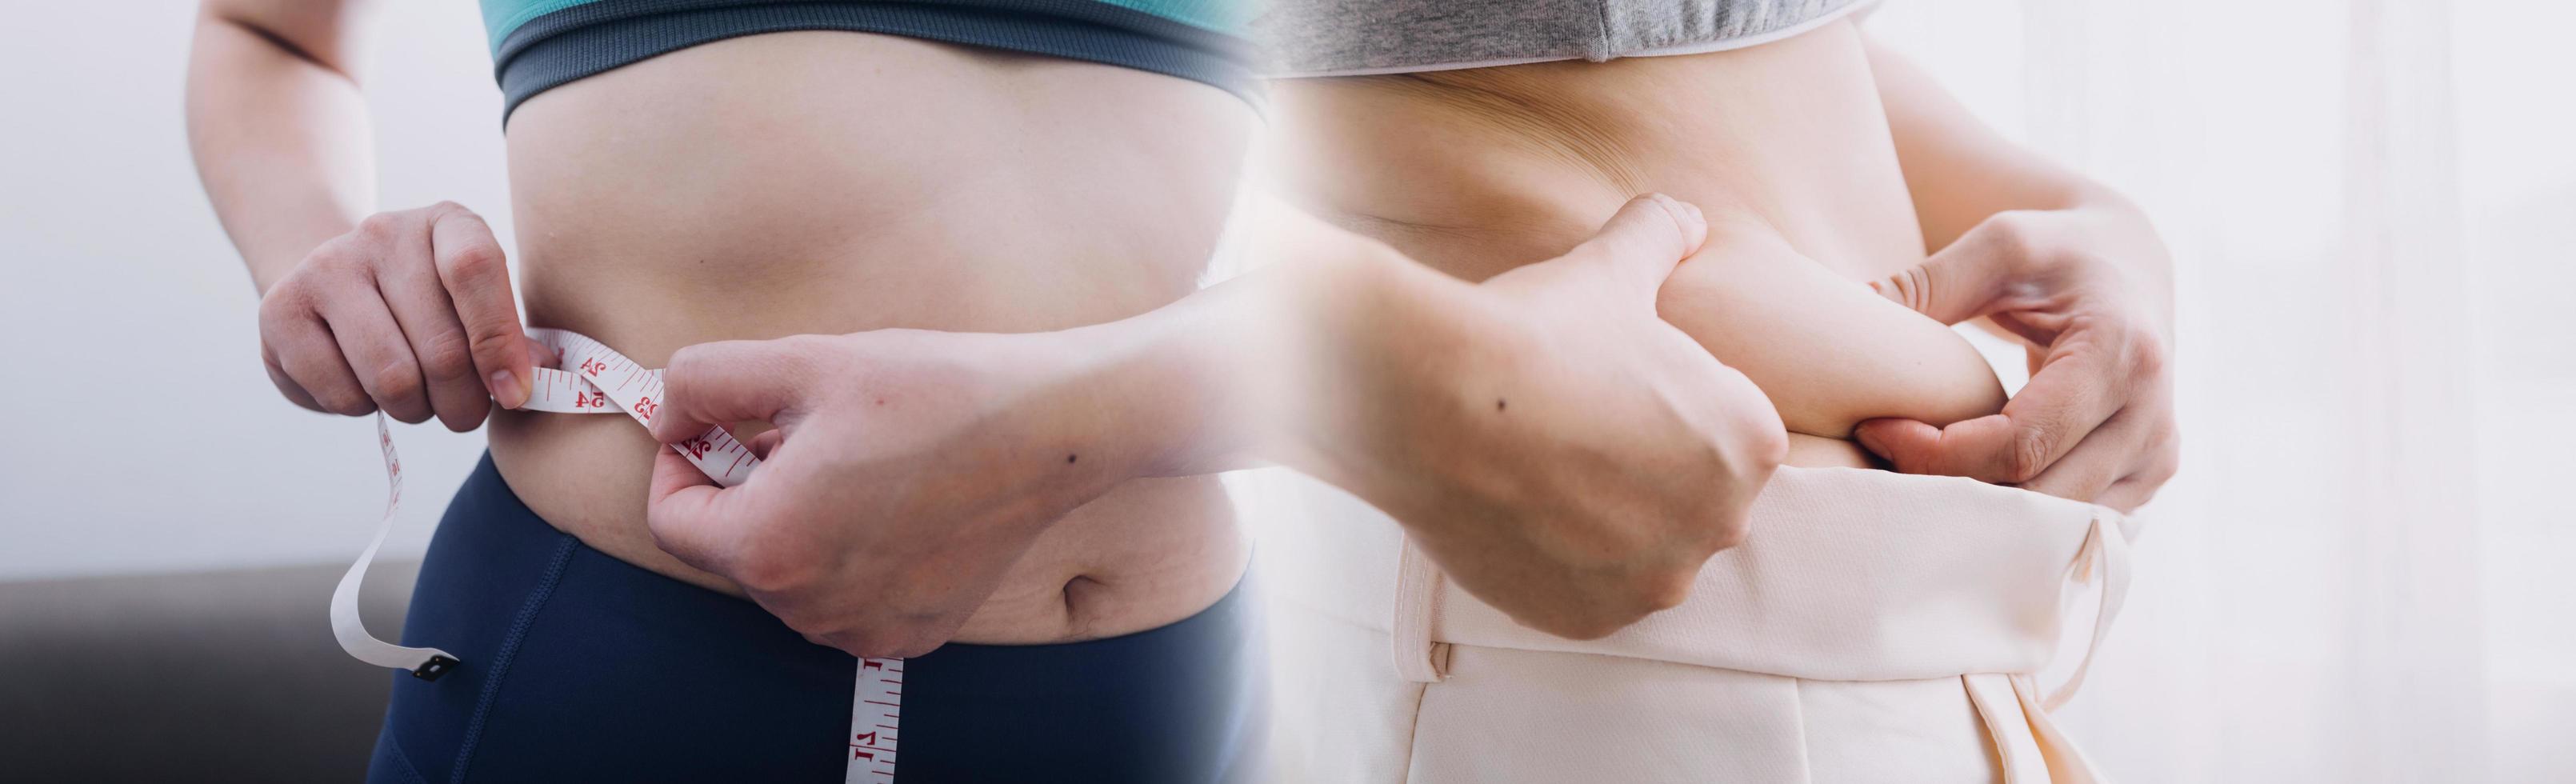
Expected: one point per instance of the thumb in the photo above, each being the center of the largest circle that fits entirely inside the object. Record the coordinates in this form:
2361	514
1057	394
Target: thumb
712	384
1648	237
688	513
1959	283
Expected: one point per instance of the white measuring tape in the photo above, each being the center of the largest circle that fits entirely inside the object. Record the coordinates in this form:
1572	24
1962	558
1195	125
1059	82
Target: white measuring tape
590	378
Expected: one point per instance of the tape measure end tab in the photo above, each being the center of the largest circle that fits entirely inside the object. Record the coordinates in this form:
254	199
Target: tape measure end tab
436	666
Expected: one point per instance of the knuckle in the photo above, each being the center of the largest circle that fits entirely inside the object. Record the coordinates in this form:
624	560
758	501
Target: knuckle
2148	354
2016	235
337	258
494	345
2027	453
443	356
463	417
1589	628
2167	461
380	227
395	382
1765	449
771	569
346	402
687	359
2160	474
1730	531
283	303
473	261
2010	225
1664	590
1594	618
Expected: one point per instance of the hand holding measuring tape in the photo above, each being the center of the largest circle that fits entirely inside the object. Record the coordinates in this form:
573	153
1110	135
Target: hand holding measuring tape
908	471
409	314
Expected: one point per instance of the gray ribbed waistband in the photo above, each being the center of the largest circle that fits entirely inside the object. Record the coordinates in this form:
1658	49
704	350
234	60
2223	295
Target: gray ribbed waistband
1349	37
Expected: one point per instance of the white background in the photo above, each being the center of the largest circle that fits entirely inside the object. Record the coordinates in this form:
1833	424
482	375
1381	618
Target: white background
144	434
2362	574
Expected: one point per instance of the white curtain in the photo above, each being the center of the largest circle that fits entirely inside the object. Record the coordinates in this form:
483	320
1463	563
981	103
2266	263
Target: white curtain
2362	574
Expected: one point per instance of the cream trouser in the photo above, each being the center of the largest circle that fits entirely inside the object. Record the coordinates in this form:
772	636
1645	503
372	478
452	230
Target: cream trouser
1875	627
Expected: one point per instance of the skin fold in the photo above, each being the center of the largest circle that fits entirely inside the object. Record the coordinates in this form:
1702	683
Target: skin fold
991	220
1047	466
970	338
644	221
1785	146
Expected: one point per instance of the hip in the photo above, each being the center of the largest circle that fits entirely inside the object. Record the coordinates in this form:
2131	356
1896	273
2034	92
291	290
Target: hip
580	666
1146	554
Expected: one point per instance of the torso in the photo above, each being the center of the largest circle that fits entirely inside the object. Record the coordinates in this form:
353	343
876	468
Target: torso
1783	145
831	182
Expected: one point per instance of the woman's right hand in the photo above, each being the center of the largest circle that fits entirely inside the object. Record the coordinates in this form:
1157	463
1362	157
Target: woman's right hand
1562	453
411	314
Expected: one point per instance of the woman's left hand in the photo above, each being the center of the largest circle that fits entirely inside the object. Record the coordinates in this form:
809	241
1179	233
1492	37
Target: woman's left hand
2089	289
908	471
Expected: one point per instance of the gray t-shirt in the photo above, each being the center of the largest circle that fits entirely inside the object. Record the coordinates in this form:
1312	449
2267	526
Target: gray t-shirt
1356	37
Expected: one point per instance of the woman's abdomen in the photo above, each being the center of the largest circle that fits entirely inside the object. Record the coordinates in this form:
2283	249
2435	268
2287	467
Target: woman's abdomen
830	182
1783	145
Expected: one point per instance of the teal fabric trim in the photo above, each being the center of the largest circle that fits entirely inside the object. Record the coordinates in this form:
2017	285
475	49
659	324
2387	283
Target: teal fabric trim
1224	16
502	16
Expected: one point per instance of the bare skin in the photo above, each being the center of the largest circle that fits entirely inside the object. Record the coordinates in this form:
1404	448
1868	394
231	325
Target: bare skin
1566	455
1827	169
1460	167
644	222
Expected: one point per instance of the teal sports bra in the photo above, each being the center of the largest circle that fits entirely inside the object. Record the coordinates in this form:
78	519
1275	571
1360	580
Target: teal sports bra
540	44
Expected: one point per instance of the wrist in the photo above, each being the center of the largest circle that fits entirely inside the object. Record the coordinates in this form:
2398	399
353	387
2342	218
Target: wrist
1381	341
270	258
1159	393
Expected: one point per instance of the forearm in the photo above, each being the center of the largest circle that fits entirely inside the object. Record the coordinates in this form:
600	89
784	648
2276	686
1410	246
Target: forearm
280	141
1960	171
1172	392
1376	341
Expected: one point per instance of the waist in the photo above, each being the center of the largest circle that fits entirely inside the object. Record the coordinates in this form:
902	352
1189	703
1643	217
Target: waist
750	189
1847	575
1508	165
1784	146
760	702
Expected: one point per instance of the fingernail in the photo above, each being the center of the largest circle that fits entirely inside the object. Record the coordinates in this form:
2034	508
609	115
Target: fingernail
506	388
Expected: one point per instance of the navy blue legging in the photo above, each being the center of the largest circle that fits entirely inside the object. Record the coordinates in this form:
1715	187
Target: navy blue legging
581	667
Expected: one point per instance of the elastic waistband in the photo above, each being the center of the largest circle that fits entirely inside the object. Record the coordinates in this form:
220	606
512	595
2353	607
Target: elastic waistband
505	530
1847	574
635	654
